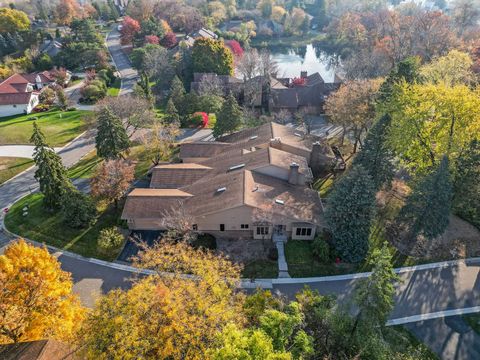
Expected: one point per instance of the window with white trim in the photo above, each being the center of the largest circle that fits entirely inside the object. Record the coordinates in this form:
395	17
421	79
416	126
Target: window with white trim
243	226
304	231
262	230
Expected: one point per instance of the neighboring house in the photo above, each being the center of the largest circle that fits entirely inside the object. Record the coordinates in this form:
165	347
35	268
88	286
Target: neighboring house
51	47
38	350
19	93
251	184
306	93
202	33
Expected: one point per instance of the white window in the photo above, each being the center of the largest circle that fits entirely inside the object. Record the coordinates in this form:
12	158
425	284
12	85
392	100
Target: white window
304	232
243	226
262	230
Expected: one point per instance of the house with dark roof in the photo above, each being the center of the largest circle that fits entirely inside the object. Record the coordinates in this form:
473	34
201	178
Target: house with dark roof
254	183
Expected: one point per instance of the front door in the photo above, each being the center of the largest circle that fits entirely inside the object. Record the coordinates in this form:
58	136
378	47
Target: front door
279	229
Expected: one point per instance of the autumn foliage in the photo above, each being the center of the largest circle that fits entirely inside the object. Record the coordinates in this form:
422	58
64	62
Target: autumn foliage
36	299
130	27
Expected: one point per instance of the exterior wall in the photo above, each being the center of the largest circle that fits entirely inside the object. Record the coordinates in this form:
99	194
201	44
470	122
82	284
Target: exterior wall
291	149
279	173
193	159
232	219
9	110
145	224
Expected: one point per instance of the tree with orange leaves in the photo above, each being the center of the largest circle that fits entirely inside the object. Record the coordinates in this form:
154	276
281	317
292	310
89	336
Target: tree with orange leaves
36	299
66	11
168	315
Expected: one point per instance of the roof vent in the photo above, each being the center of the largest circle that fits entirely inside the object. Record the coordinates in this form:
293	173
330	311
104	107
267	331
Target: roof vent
298	134
236	167
222	189
253	137
279	202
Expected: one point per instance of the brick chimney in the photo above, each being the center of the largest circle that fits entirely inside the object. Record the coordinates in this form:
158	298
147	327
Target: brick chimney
303	74
293	176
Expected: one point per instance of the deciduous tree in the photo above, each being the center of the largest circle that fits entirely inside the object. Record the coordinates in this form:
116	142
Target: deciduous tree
130	28
350	213
36	299
112	180
211	56
66	11
160	141
455	68
12	20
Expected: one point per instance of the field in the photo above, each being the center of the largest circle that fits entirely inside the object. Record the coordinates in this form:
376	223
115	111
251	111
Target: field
10	166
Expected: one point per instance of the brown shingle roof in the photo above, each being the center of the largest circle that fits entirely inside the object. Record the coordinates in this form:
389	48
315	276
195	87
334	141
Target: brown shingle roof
202	149
17	99
177	175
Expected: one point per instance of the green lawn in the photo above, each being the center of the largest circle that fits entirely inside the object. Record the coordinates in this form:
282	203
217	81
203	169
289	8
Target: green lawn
86	167
302	263
260	269
48	228
59	127
474	321
114	89
10	166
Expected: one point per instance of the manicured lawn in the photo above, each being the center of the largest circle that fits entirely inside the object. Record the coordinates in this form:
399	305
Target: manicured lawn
260	269
474	321
86	167
302	263
114	89
10	166
48	228
59	127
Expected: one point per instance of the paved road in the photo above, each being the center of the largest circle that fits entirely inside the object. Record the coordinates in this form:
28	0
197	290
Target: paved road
21	151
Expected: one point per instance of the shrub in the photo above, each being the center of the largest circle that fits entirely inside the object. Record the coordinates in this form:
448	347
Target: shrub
92	93
321	249
206	241
72	108
273	254
41	108
109	240
47	96
78	209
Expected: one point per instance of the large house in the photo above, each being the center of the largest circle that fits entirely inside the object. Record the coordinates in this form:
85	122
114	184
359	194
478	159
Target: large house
306	93
19	93
251	184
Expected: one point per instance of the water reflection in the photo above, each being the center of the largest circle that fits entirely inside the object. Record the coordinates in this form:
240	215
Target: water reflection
305	58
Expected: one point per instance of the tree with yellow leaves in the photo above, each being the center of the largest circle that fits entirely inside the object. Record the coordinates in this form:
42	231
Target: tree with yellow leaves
36	299
176	313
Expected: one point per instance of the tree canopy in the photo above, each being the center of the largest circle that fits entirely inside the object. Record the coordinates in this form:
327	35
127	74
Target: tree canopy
12	20
212	56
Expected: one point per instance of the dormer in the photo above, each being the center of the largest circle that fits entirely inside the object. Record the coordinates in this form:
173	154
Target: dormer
38	82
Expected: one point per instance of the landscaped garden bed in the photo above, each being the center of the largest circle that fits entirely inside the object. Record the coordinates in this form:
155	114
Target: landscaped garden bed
49	228
59	127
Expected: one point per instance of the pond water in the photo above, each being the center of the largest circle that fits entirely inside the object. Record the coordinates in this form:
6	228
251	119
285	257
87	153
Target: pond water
291	61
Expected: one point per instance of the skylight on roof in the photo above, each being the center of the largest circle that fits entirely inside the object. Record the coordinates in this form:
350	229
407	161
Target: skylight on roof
222	189
253	137
279	202
236	167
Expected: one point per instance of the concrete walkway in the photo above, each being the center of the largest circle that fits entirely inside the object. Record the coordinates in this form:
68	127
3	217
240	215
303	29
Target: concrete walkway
19	151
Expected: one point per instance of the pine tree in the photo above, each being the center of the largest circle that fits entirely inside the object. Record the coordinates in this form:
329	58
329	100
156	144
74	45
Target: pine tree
466	187
376	157
407	70
177	94
229	117
172	113
374	295
350	211
112	138
50	173
427	208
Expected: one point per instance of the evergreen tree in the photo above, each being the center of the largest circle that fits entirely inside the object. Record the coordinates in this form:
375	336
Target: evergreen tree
374	295
427	208
407	70
78	209
351	208
376	156
50	173
229	117
466	187
177	94
112	138
145	88
172	113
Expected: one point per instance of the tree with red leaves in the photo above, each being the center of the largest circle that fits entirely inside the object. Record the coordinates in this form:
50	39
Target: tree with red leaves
169	40
130	27
235	47
152	39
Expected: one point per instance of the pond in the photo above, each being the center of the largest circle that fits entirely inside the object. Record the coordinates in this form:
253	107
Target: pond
291	61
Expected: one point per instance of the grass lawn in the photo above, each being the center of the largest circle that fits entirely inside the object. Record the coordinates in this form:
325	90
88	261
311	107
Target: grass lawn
114	89
424	351
302	263
59	127
48	228
260	269
474	321
86	167
10	166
